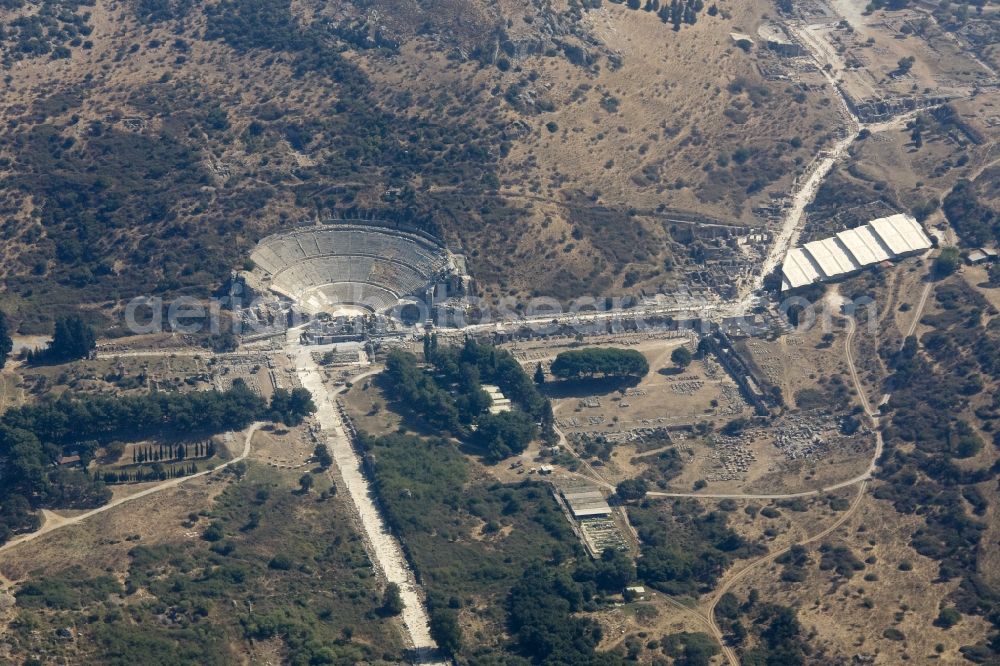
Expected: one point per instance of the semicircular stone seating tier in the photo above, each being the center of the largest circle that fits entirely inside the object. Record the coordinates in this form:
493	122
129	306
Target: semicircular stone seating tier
333	265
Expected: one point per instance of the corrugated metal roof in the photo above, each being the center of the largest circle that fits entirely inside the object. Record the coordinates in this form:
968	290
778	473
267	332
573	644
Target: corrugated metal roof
863	246
589	513
917	236
798	269
586	501
831	257
879	240
900	233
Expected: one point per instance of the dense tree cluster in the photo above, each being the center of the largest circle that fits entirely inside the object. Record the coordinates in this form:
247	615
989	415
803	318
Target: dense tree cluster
291	407
172	452
976	223
452	398
763	633
71	339
28	479
155	472
541	610
505	434
409	473
686	551
408	382
538	573
33	437
70	420
631	489
690	649
600	362
443	625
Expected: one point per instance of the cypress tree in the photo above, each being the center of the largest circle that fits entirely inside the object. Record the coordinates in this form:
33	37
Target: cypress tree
6	344
72	338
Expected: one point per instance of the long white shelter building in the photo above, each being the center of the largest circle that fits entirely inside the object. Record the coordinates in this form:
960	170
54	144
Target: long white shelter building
849	251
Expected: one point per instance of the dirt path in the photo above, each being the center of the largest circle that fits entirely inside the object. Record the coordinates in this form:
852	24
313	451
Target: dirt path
918	312
861	479
729	653
54	521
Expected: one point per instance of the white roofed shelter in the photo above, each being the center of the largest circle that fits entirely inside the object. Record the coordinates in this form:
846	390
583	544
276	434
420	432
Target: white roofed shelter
799	269
849	251
901	234
864	245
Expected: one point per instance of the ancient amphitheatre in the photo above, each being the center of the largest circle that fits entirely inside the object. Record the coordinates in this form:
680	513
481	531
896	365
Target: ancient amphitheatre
765	493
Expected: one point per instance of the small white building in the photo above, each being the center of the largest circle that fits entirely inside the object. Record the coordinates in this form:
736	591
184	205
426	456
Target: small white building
586	502
981	256
498	401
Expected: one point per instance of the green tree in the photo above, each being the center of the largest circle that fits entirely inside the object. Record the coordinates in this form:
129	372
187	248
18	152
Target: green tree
904	65
631	489
505	434
681	357
599	361
306	482
25	458
946	262
539	374
71	339
6	344
445	629
948	618
291	407
614	571
322	455
691	649
214	532
392	600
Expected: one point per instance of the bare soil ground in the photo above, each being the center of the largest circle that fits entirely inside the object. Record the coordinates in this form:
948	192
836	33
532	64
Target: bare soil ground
867	55
101	544
664	397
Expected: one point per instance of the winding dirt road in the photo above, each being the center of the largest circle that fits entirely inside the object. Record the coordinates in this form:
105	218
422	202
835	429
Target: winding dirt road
729	653
861	479
54	522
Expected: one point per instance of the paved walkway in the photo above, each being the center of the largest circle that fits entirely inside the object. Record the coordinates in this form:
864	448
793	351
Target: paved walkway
384	546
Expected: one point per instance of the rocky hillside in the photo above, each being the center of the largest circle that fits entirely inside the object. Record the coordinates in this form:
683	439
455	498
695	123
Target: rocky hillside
146	145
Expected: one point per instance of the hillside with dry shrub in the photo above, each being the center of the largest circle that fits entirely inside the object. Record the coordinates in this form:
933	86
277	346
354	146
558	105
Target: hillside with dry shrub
147	145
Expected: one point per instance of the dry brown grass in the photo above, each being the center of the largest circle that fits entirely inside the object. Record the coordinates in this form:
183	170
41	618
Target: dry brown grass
837	612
